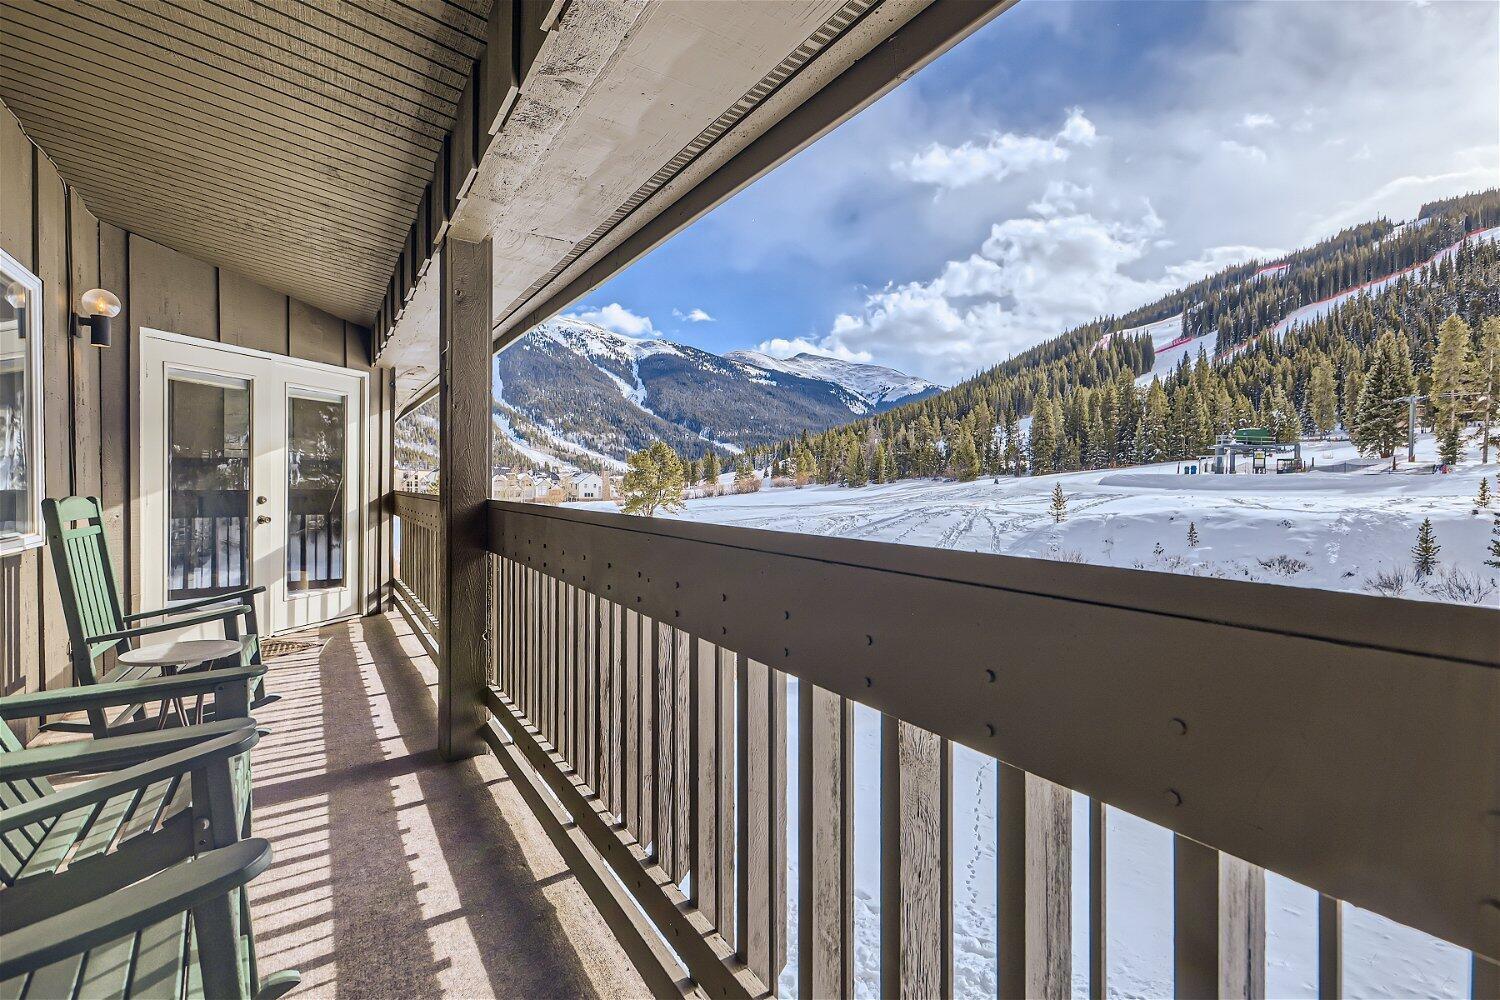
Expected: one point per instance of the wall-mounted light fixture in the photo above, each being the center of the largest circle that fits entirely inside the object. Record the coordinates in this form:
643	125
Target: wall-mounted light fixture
15	295
98	307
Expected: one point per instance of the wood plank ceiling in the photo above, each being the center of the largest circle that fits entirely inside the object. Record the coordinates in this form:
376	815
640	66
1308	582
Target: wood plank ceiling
289	140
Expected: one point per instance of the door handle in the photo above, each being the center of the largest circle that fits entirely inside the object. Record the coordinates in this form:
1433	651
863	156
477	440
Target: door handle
263	519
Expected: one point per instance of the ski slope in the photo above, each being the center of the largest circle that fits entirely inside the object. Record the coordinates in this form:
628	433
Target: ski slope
1326	530
1323	307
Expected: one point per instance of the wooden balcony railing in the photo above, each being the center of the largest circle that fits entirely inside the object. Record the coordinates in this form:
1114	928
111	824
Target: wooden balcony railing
641	667
419	562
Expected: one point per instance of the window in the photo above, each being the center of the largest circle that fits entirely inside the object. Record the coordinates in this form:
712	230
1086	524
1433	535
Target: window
20	407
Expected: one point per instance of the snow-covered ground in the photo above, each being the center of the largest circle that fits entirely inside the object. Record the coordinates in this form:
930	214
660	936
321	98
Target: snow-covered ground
1328	530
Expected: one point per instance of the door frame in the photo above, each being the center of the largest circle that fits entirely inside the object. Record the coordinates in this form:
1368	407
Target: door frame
356	534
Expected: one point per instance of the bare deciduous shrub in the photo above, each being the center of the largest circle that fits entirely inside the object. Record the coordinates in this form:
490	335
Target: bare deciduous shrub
1285	565
1453	584
1389	583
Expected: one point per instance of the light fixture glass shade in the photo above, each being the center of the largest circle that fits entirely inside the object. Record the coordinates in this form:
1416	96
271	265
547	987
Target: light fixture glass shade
98	302
15	294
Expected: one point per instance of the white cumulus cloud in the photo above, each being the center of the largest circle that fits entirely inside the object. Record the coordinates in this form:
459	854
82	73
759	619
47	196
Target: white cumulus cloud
782	347
693	316
619	319
999	156
1255	121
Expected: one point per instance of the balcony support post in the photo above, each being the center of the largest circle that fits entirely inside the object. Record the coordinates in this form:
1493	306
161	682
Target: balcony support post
463	486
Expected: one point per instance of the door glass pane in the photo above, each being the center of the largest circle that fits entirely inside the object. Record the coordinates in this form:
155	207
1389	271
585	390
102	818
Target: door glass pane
315	491
208	486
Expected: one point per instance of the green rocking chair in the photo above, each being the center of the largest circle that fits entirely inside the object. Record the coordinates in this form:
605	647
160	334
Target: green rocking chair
98	623
132	883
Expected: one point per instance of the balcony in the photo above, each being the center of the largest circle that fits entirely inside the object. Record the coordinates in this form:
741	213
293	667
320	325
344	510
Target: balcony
529	751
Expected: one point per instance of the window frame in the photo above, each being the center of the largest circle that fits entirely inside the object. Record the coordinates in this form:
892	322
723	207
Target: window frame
12	270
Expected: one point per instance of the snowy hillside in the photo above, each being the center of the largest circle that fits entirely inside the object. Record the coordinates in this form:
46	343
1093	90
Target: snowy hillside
880	387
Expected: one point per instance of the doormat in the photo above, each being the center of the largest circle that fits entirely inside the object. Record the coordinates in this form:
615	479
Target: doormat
270	648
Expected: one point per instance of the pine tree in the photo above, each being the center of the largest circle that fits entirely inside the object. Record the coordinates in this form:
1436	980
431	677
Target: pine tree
1192	538
1381	424
1059	505
964	462
1451	368
877	466
805	466
1483	499
711	469
1043	437
1494	559
1322	398
1487	384
1424	554
1451	445
653	480
854	464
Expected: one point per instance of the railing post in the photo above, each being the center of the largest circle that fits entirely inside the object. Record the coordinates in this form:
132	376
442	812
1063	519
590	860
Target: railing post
463	486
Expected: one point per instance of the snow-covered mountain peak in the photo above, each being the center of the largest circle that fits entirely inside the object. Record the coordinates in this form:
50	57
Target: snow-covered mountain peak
596	342
879	386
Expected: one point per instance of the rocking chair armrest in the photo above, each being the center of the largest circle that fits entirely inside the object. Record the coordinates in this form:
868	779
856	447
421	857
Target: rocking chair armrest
229	610
133	778
116	693
197	602
110	753
175	890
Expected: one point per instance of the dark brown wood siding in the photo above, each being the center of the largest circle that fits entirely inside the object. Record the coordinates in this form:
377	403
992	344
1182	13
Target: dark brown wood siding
89	396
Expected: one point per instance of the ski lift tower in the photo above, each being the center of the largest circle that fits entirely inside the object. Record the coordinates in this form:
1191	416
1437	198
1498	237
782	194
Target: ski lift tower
1258	444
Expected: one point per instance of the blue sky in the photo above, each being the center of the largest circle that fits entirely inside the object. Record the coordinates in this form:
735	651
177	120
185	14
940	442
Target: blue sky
1076	159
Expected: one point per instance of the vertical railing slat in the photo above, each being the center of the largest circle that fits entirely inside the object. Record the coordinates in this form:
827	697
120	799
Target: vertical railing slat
776	807
646	738
1034	871
664	677
753	917
726	704
1098	882
682	823
825	893
1331	949
1219	922
914	865
631	776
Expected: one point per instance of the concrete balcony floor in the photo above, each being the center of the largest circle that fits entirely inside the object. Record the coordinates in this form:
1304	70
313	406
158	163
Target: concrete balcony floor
396	874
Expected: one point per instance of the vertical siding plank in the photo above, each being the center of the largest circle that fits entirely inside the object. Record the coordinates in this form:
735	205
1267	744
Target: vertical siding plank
83	254
16	193
1034	871
52	267
913	923
115	410
754	874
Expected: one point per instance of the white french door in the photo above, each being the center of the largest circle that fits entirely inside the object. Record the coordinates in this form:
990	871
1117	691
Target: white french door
251	475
